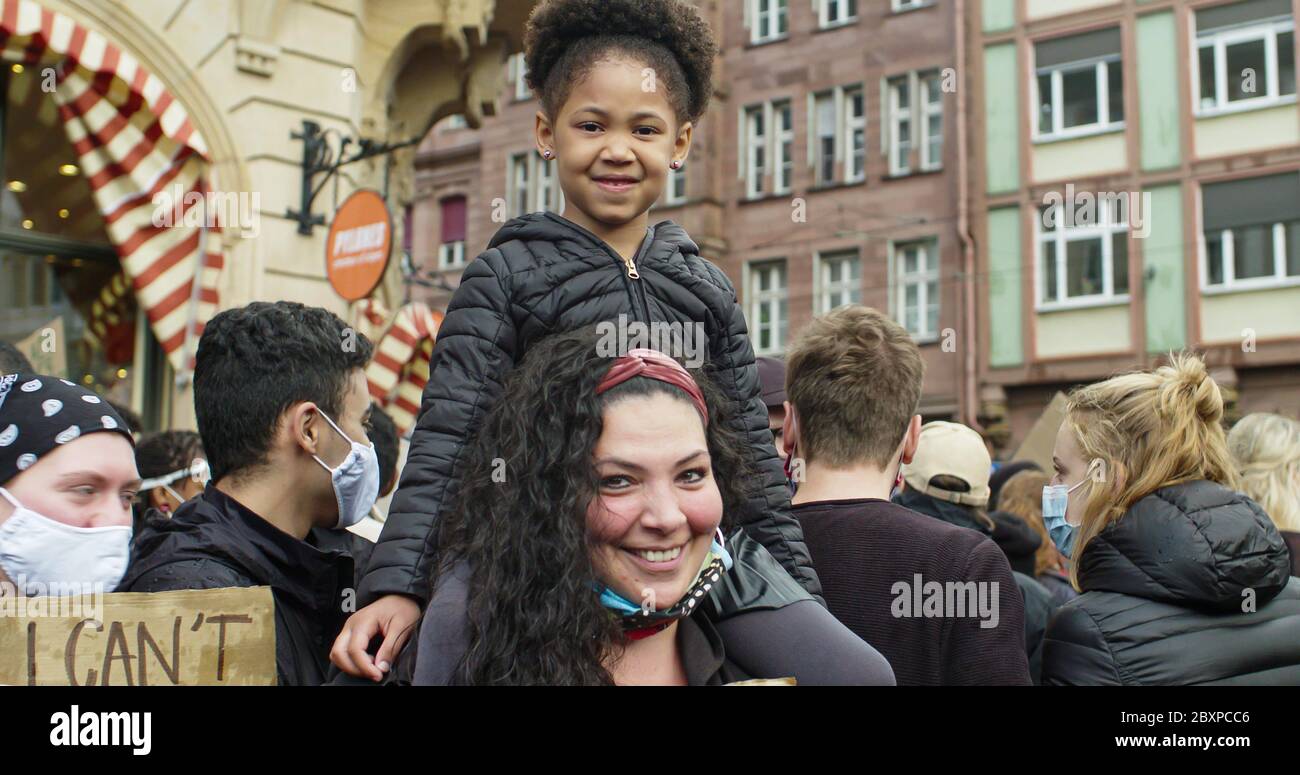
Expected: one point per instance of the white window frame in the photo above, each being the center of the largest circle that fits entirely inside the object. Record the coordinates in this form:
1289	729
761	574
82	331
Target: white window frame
763	26
777	145
1106	227
676	181
927	272
1267	31
824	288
1101	67
841	6
834	98
1279	278
451	255
773	296
853	124
519	177
895	118
917	115
845	126
753	172
539	177
518	69
547	185
783	147
909	5
927	110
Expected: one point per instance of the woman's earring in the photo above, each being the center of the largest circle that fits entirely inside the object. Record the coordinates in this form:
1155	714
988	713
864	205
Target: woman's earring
675	164
546	154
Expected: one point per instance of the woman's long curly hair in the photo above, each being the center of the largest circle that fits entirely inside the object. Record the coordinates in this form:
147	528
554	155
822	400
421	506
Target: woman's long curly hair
520	516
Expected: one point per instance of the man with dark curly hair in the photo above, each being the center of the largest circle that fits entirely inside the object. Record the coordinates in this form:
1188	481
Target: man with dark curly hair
283	411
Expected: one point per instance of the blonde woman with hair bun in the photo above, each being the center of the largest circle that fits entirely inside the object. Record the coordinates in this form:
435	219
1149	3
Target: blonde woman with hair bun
1266	448
1184	580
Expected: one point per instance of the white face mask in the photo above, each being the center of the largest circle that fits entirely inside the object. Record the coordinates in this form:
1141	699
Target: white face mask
356	480
35	548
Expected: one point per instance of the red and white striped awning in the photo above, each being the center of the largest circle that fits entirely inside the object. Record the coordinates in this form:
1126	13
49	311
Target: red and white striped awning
133	140
400	368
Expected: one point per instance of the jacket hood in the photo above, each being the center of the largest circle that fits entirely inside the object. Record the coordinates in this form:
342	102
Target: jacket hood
665	237
1195	544
1017	540
952	513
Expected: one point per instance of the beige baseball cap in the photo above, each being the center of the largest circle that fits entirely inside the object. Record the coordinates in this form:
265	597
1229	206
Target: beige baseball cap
955	450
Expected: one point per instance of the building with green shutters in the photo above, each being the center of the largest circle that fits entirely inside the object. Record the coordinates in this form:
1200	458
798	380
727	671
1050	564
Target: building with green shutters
1135	190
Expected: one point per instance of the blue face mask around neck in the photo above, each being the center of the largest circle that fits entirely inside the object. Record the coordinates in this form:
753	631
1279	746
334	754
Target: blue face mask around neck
626	608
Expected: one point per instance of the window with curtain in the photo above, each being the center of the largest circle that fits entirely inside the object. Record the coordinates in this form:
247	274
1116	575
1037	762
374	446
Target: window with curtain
451	248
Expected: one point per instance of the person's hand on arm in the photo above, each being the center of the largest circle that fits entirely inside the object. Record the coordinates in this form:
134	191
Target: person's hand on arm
392	616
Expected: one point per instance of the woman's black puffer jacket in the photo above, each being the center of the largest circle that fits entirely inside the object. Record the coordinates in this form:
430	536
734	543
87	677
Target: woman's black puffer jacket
1191	586
544	274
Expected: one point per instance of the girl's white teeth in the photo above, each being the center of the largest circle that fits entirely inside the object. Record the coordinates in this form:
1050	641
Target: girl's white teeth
667	556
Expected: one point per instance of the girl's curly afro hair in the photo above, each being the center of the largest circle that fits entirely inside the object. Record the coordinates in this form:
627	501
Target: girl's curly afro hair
564	39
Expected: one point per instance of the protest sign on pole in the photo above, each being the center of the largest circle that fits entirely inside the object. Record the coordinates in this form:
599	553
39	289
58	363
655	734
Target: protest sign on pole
222	637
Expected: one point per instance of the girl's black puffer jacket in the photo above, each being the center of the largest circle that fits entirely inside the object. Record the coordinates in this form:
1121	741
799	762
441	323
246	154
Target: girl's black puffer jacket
544	274
1192	585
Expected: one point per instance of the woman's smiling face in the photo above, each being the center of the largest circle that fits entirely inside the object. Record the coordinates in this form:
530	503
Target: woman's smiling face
658	506
614	139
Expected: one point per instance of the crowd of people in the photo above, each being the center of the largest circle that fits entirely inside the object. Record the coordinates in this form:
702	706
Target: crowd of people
568	515
594	534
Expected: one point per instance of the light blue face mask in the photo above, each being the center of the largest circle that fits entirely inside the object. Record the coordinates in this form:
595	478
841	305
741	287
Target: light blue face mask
1056	500
624	607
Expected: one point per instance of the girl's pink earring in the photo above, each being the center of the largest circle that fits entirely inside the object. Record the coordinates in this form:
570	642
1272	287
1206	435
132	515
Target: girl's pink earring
546	154
675	164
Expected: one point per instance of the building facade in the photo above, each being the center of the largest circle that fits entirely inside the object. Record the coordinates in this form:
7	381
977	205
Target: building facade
826	171
153	154
1136	192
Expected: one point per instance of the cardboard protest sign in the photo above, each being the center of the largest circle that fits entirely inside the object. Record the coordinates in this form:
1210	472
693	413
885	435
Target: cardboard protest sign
1041	439
223	637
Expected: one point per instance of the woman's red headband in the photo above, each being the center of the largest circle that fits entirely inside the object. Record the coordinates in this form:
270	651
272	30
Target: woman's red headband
641	362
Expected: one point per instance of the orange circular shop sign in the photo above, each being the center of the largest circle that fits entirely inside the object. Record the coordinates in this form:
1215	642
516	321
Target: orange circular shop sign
358	245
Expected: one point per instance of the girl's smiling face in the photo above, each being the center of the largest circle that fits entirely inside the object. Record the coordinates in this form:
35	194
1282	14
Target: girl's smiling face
613	140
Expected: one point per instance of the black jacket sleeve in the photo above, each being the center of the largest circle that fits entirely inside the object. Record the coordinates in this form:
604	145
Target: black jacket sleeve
1075	652
767	517
474	351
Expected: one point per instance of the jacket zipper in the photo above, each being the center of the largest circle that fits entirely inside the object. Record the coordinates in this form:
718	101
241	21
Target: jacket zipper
638	289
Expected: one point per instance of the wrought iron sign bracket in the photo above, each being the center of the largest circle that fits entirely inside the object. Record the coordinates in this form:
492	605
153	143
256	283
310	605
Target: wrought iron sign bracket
318	156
